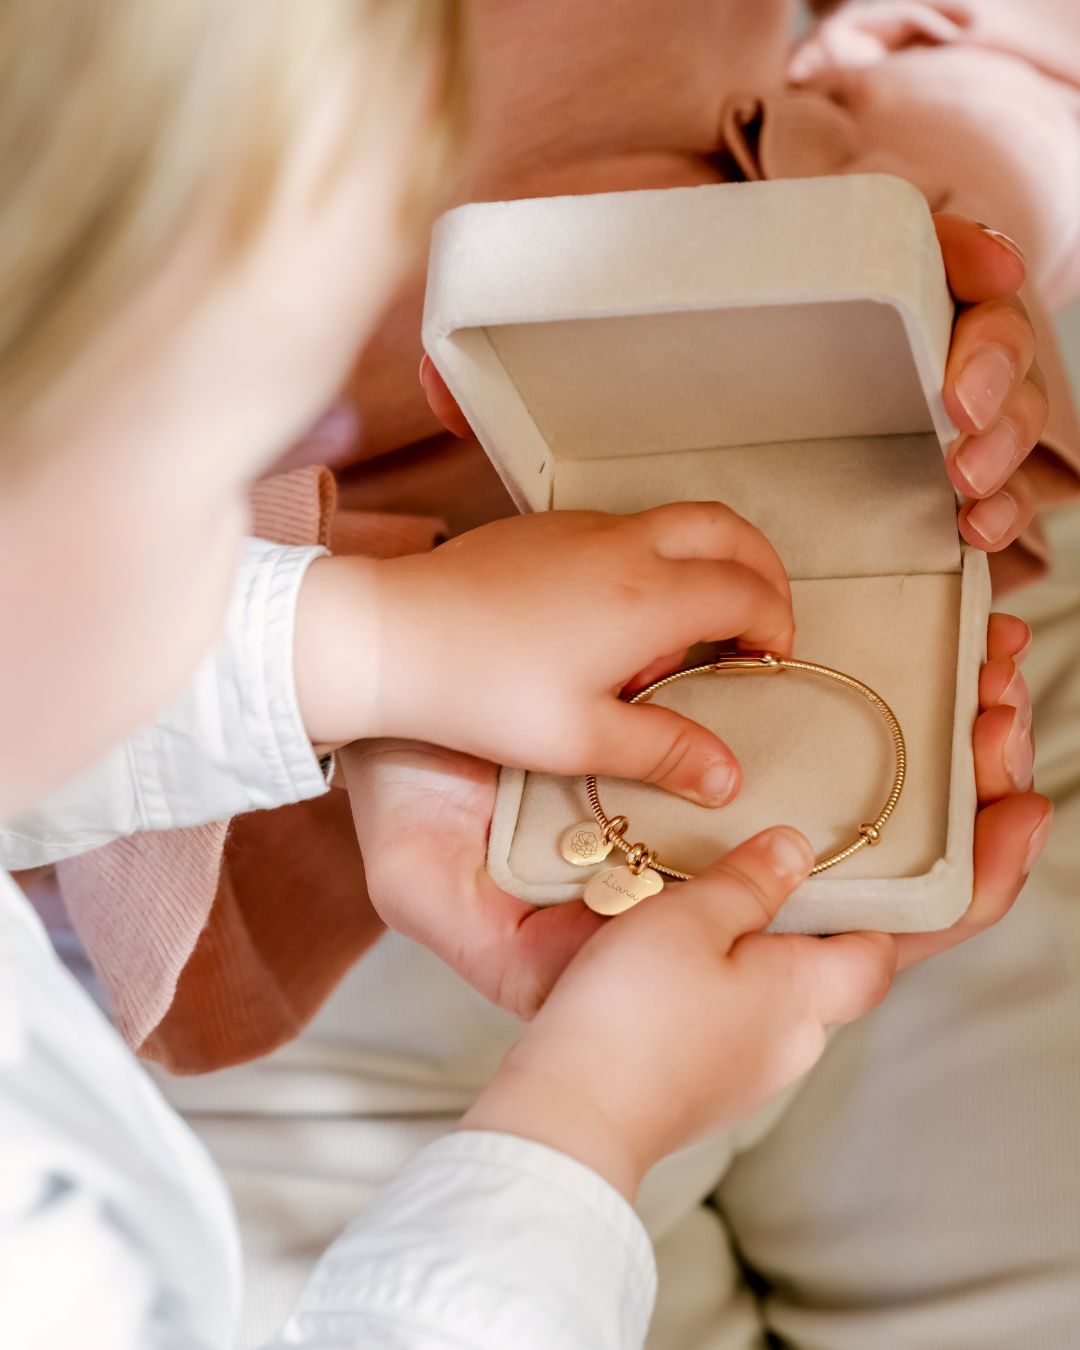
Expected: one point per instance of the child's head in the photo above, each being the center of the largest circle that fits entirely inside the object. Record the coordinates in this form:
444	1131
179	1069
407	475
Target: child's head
202	212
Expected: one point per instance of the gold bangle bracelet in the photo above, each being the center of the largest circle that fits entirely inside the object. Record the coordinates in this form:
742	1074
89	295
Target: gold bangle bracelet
641	860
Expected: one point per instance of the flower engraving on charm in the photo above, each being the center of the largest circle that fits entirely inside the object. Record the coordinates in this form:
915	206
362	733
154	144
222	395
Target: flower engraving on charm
583	845
620	889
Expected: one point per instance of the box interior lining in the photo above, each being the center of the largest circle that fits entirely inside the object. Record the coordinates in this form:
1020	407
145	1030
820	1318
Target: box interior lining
839	743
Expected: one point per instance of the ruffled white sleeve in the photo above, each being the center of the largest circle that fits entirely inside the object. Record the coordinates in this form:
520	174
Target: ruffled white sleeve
232	741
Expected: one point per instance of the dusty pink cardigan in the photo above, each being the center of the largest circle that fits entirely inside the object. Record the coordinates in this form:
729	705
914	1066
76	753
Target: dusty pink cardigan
976	101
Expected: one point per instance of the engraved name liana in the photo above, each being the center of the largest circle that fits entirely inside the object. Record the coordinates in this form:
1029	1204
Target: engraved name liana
612	885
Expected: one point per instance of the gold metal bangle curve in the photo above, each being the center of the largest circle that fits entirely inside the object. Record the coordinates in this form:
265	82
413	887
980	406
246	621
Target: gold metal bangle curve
639	856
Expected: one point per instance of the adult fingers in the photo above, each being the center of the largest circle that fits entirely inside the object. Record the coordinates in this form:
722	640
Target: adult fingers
993	348
1007	638
1004	753
980	263
422	816
994	522
1001	683
1009	838
979	465
440	400
685	531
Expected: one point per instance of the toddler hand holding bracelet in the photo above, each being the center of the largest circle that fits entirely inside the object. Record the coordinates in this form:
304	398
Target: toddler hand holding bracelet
643	873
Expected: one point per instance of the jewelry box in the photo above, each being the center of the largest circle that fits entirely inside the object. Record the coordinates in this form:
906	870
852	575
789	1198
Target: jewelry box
779	347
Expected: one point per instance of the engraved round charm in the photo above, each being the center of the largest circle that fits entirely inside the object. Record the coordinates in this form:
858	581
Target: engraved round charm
619	889
584	845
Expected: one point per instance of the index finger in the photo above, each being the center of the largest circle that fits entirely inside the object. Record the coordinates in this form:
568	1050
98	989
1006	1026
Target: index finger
688	531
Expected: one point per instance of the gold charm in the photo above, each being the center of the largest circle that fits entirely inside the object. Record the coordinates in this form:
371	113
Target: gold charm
583	845
620	889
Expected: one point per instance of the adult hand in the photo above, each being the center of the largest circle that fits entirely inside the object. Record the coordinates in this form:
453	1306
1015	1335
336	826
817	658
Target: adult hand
994	390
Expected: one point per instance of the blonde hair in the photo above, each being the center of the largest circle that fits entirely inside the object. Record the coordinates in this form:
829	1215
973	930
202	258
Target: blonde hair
117	117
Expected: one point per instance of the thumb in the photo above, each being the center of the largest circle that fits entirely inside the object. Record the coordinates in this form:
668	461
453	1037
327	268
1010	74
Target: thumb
851	974
652	744
743	891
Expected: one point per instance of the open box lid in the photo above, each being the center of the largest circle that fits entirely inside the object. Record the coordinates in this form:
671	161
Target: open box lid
779	347
578	333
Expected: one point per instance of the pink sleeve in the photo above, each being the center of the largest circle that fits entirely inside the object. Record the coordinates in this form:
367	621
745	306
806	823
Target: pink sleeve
978	103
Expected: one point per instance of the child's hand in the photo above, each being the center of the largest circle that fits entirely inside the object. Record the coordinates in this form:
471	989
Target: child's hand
994	390
513	642
422	817
682	1017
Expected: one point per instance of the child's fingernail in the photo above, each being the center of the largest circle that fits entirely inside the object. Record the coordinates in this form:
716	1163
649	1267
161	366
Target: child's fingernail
983	385
985	460
1019	752
1039	835
1005	239
993	517
717	784
790	854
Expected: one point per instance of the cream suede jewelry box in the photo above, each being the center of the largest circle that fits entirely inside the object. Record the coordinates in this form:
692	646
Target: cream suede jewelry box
779	347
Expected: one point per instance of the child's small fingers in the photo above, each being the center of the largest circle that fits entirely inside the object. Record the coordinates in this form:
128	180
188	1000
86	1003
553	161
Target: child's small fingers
655	670
1007	638
702	531
717	601
745	888
652	744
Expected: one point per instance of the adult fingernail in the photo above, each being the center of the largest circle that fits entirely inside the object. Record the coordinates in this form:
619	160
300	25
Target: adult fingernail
1039	835
985	460
1016	695
993	517
1005	239
790	854
1019	752
717	784
984	383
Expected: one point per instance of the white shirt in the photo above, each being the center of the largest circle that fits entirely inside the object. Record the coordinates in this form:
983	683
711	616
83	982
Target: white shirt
115	1230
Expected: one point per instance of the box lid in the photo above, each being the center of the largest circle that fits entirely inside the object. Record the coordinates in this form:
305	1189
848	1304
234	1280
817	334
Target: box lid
644	331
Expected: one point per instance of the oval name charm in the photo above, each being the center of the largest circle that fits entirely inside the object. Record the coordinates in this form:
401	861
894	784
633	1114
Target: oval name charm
619	889
583	845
